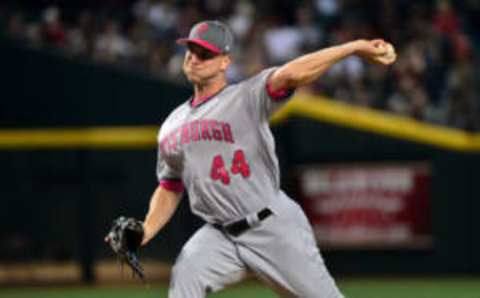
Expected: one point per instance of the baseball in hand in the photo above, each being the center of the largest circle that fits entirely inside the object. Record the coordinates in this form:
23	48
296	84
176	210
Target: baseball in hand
390	56
390	51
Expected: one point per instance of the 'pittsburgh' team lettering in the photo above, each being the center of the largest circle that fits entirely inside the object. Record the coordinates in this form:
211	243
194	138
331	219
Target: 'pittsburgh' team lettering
198	130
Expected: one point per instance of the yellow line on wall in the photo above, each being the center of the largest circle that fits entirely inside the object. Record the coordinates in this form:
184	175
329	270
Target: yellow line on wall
135	137
360	118
304	106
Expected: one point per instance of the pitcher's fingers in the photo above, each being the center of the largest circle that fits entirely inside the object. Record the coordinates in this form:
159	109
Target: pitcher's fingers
379	49
378	41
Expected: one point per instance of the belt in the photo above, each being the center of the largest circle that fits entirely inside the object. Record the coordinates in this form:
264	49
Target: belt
238	227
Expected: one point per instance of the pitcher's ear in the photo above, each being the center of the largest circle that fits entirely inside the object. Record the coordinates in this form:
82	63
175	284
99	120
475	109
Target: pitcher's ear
226	60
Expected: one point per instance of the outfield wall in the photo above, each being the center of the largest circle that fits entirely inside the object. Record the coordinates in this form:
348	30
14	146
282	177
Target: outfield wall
453	196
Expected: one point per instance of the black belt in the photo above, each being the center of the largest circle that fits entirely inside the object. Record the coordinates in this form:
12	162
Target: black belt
238	227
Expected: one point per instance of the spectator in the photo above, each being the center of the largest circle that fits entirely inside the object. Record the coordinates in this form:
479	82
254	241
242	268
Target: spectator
311	34
16	26
53	30
76	43
461	110
111	45
328	11
163	16
242	20
446	20
33	34
86	25
431	81
282	42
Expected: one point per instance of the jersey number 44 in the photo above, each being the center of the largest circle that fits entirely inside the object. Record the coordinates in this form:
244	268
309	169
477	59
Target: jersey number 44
239	166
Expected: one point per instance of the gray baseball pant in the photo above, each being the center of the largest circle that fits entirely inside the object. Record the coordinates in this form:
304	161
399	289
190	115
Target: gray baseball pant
280	251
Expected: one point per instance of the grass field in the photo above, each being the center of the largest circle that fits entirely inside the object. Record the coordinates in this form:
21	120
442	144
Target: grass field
352	288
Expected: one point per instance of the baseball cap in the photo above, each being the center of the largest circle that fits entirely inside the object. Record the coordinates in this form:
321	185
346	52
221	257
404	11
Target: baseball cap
212	35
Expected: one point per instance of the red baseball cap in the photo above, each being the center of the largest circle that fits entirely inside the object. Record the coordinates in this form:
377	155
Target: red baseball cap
212	35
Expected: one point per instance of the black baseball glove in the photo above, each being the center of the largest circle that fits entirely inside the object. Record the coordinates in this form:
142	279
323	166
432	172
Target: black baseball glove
125	238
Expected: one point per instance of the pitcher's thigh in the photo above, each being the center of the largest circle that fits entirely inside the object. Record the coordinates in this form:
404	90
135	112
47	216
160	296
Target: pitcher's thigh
289	257
208	262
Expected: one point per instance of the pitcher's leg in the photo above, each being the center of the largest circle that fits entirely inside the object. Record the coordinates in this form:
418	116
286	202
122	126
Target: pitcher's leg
283	250
208	262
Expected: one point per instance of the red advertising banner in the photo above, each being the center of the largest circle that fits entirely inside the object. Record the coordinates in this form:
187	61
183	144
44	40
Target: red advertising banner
362	206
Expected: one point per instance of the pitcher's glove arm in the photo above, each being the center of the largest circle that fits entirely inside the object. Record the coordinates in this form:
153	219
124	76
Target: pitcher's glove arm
125	238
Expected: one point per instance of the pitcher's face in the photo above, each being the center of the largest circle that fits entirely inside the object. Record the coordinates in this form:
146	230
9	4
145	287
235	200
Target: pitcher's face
201	65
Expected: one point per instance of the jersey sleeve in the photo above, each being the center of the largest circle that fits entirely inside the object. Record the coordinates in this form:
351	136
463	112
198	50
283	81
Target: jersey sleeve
263	100
167	176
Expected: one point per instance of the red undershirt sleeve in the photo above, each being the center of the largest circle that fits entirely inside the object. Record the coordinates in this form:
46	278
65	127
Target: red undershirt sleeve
280	94
175	185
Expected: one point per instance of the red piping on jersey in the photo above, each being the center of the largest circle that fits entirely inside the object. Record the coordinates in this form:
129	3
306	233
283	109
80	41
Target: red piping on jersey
172	185
199	100
279	94
195	102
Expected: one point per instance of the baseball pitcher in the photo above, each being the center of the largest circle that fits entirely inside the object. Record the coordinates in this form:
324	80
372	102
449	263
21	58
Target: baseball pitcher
218	147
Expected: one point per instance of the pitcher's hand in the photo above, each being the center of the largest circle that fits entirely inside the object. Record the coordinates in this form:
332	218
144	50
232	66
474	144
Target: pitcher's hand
376	51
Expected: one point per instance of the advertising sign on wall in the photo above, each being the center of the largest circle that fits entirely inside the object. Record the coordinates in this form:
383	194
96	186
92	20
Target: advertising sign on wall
368	205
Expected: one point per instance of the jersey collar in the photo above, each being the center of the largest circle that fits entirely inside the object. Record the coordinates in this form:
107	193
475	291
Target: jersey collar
200	101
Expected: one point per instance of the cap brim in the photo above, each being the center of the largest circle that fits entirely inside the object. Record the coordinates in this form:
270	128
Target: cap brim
200	42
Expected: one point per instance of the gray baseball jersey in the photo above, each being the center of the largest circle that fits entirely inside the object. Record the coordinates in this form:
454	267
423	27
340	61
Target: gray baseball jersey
222	151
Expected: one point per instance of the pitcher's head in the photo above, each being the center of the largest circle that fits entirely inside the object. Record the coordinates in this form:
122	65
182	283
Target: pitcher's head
209	44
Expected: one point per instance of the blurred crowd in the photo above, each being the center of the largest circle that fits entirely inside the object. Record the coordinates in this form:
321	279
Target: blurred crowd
435	78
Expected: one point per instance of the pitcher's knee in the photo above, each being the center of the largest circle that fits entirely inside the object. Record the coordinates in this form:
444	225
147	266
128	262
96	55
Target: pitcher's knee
184	272
188	280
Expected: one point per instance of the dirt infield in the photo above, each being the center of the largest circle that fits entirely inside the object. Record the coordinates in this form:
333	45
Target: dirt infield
70	272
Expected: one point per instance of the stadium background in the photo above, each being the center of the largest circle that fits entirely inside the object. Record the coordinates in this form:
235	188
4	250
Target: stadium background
85	86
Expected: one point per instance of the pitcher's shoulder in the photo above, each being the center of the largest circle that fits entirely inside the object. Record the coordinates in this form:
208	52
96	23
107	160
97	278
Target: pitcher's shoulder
179	110
175	116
